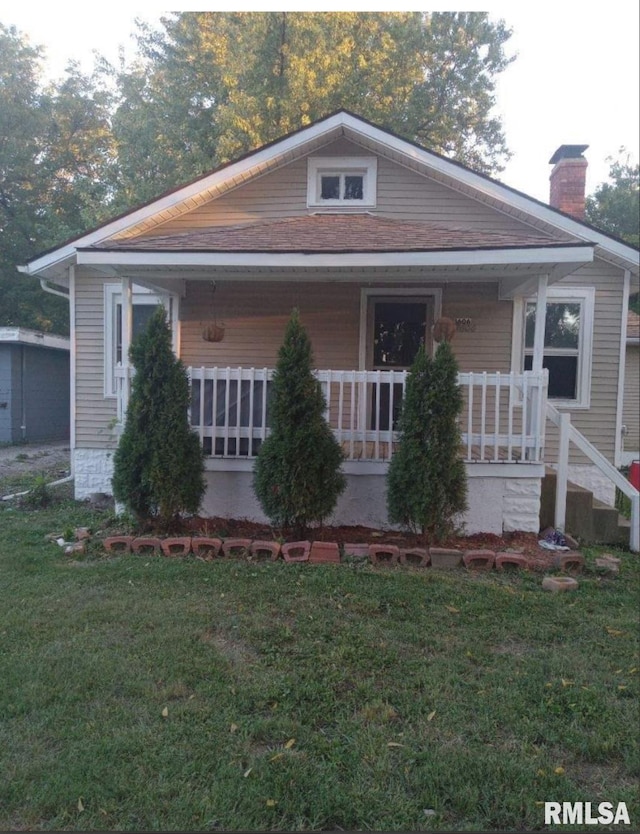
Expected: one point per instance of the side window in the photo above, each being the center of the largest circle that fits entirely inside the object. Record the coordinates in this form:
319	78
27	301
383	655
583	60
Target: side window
144	304
567	344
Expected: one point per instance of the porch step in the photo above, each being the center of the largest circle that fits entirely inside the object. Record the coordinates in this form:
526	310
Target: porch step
609	527
587	518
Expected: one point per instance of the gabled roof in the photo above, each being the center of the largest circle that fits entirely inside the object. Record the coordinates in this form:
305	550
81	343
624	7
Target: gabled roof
547	220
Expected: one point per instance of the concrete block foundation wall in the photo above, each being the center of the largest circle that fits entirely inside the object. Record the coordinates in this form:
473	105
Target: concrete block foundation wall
496	504
93	471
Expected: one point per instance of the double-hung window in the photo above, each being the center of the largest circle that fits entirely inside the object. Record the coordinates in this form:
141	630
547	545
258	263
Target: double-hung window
348	182
145	303
567	343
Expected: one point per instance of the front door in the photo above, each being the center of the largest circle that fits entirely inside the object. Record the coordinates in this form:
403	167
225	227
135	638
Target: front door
398	328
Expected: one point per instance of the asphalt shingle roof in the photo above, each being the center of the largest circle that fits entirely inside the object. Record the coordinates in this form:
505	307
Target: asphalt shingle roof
331	233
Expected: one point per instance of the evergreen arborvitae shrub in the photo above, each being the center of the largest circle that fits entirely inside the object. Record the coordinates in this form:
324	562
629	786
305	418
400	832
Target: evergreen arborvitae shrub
426	482
297	477
159	463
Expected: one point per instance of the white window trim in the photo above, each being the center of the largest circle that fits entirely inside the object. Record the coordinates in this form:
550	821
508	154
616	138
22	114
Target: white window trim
318	166
113	297
586	297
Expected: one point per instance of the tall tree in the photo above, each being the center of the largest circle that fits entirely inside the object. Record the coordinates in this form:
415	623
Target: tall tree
159	464
426	482
615	205
297	476
209	86
54	153
22	123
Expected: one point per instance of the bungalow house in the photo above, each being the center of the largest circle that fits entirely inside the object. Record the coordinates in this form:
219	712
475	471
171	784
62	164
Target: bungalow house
374	239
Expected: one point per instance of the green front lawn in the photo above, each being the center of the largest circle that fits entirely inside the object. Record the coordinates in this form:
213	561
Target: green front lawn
166	694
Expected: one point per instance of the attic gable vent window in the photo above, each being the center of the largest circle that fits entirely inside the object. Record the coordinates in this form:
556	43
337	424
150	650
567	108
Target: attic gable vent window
342	181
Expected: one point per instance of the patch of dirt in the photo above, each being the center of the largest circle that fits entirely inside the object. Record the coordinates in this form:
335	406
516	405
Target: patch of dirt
525	543
50	459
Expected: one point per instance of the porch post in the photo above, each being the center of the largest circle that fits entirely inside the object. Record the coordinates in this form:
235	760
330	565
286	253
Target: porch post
534	413
541	320
127	330
560	515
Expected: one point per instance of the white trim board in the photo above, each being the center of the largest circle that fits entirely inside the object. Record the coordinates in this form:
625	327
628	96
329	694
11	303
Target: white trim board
585	350
573	256
112	295
618	446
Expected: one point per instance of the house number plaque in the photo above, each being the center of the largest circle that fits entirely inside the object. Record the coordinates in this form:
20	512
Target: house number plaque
465	325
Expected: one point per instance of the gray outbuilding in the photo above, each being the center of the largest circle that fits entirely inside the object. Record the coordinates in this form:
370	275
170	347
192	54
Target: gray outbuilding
34	386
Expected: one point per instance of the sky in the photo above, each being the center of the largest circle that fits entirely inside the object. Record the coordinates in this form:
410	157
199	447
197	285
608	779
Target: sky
574	80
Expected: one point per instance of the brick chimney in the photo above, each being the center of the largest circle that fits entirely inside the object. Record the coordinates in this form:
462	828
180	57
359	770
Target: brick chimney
568	179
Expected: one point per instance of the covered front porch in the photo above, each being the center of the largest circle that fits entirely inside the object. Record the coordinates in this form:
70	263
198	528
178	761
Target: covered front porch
344	306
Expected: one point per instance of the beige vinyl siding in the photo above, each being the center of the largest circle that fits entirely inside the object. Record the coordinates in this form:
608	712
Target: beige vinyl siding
94	413
631	410
255	316
403	194
487	345
598	422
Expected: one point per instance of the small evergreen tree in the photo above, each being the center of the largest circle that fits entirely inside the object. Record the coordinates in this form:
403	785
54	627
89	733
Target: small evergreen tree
297	477
426	482
159	463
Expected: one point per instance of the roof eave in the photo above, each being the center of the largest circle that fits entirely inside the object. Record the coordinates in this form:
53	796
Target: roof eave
546	257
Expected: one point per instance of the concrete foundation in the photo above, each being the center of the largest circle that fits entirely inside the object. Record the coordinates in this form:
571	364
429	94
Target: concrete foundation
496	504
92	472
500	499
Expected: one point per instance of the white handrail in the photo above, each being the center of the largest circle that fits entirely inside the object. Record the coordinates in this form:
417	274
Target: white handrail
568	432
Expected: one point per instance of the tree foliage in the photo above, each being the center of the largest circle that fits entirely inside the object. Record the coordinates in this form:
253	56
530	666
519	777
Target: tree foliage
297	477
206	87
159	463
426	482
210	86
614	206
55	149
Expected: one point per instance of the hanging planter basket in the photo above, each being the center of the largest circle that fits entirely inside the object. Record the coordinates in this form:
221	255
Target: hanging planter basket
444	329
213	331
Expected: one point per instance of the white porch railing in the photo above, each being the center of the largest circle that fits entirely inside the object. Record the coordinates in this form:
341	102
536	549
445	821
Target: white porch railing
503	418
569	434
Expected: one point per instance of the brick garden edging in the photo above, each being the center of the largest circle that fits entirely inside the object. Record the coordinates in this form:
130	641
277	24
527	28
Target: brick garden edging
317	552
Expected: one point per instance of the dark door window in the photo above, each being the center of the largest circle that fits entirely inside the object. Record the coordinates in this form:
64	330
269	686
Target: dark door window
399	331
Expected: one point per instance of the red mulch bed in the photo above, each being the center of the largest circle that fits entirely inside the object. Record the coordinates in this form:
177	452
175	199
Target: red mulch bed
525	543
